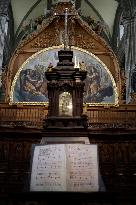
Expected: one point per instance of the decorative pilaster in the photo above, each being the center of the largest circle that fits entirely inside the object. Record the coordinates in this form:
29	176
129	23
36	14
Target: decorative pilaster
4	4
3	32
129	21
130	53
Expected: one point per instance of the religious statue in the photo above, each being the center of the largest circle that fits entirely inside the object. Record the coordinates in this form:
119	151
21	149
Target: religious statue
82	65
65	104
50	67
98	28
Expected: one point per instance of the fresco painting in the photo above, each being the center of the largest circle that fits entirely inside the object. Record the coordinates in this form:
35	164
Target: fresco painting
30	84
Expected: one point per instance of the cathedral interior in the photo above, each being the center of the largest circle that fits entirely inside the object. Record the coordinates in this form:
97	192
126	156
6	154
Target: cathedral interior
102	37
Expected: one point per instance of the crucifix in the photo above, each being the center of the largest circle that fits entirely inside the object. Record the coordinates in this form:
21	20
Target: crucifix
66	40
66	30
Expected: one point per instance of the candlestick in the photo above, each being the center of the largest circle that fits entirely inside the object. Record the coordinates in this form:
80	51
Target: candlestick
75	63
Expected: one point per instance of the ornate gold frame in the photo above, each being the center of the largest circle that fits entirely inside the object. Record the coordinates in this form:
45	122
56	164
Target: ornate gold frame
46	103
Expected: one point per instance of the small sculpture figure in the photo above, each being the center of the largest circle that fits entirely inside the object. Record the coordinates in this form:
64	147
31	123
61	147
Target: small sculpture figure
50	67
82	66
99	28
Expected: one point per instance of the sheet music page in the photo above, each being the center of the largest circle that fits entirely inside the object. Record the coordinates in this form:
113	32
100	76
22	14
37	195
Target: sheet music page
48	168
82	168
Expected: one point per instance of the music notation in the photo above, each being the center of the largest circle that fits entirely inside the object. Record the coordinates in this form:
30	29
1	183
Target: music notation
83	167
47	171
70	167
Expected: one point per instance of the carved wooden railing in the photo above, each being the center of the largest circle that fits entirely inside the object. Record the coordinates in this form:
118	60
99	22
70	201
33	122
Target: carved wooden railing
22	116
123	116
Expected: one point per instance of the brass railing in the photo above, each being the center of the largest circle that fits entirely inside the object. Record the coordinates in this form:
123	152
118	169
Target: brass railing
123	116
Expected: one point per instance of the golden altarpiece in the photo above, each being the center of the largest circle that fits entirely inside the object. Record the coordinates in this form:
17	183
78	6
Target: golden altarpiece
111	124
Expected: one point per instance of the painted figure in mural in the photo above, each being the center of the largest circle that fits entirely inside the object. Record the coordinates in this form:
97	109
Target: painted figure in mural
96	90
93	88
31	82
133	80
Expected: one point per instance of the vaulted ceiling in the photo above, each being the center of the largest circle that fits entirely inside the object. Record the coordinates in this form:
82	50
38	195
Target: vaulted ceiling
103	10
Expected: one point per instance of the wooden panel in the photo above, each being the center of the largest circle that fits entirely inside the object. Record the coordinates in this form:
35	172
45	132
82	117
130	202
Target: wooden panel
121	117
117	158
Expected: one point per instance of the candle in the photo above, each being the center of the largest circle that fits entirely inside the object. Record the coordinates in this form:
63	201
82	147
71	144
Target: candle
75	63
78	66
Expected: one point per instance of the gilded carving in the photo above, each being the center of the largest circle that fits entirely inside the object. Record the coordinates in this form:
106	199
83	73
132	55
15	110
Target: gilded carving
80	35
41	53
123	85
133	98
44	41
85	42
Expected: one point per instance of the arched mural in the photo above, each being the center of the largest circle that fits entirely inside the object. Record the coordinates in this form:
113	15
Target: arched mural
30	85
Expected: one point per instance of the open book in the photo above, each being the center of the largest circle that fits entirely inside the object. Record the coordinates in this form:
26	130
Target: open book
65	167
